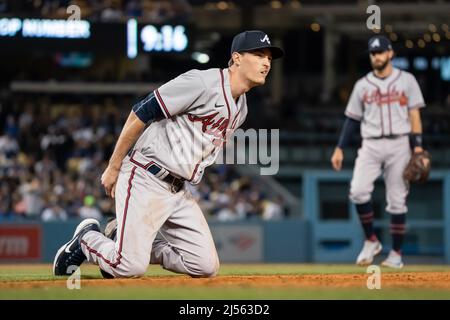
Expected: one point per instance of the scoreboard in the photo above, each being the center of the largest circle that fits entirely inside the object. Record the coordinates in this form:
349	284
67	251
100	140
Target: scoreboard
130	38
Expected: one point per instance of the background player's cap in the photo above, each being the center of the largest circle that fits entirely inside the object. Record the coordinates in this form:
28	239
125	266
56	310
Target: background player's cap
379	43
252	40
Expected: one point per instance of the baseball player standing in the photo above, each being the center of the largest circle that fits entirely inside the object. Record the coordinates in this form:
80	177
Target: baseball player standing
158	220
385	105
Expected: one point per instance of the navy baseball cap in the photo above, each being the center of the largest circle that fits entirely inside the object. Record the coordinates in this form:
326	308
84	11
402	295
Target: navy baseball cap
253	40
379	43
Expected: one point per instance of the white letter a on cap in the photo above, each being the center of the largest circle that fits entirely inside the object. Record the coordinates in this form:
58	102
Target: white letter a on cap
375	43
265	39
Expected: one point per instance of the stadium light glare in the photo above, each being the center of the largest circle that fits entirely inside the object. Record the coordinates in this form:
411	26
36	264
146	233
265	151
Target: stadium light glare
200	57
276	4
436	37
409	44
432	27
132	46
421	43
376	30
222	5
393	36
420	63
315	27
295	4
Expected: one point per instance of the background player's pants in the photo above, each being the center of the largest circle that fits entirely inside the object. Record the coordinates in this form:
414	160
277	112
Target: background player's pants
144	205
375	156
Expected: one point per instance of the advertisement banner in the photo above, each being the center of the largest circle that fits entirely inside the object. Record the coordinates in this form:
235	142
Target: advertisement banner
20	243
239	243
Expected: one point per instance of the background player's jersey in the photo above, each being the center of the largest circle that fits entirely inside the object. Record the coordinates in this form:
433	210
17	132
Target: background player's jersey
200	115
382	105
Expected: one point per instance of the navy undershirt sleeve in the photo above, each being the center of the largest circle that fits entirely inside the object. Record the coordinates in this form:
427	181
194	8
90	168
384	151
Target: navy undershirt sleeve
148	109
348	130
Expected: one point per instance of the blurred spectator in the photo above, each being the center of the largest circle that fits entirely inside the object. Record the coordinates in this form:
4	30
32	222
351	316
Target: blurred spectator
155	11
111	11
44	167
8	145
106	206
31	193
11	127
54	212
133	8
227	213
6	210
89	210
271	210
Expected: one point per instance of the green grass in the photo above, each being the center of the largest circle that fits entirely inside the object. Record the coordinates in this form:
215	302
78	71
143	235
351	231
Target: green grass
264	269
134	293
43	273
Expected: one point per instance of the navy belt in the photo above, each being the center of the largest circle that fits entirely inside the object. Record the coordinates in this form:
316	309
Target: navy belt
176	184
391	136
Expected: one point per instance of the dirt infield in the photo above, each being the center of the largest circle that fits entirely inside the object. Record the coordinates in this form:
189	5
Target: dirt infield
432	280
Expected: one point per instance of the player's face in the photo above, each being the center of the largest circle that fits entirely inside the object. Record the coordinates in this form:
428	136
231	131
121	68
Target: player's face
255	65
379	60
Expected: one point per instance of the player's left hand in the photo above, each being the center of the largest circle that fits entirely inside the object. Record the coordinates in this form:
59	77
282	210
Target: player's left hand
109	180
337	158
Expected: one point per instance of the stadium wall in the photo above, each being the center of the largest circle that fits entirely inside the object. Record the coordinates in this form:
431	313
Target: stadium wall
246	241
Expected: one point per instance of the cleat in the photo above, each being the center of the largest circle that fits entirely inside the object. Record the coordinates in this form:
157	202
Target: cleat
394	260
111	229
70	254
368	252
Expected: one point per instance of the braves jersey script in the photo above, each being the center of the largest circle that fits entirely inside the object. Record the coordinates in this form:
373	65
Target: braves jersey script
382	105
200	114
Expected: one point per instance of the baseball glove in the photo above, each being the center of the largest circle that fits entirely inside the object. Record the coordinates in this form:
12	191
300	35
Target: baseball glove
418	168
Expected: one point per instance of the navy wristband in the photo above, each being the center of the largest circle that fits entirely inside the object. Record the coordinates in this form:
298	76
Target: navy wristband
415	140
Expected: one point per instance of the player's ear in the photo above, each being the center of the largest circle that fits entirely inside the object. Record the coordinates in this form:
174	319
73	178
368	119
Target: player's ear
391	54
236	58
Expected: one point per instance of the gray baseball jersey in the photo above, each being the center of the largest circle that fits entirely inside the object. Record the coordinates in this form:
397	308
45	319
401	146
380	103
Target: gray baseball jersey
382	105
200	115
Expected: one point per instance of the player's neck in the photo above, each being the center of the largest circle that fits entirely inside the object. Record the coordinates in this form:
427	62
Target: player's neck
386	72
238	85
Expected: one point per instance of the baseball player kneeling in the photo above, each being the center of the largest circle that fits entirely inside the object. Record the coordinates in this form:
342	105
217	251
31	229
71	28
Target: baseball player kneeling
189	118
385	106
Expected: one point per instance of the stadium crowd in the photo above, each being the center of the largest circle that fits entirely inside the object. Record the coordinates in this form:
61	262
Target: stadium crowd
159	11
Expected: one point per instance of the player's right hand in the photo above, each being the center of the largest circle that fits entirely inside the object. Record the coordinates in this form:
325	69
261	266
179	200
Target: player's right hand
337	158
109	180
